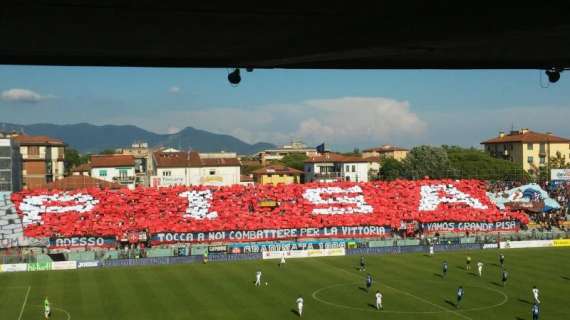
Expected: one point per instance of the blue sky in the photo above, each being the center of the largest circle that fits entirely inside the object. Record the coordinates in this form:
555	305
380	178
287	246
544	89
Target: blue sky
346	109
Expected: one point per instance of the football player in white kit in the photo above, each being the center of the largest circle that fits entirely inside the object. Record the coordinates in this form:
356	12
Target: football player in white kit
535	293
300	305
47	309
379	300
282	262
480	268
258	278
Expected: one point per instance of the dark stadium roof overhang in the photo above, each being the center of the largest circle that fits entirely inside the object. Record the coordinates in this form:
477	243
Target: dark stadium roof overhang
287	34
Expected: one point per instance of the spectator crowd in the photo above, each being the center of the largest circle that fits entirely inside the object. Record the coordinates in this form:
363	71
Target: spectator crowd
180	209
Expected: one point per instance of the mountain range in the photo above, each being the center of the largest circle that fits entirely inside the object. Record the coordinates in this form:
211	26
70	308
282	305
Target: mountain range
89	138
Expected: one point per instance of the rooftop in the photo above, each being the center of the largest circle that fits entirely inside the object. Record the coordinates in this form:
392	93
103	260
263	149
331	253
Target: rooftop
334	157
81	182
82	167
220	162
180	159
191	159
112	160
277	169
526	136
385	149
26	140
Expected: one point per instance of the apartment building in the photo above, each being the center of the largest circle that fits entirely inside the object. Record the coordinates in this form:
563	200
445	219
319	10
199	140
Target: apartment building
42	160
529	149
10	162
330	167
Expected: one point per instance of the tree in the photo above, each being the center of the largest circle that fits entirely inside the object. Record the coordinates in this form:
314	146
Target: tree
73	158
559	162
107	151
249	168
355	153
295	161
425	161
476	164
556	162
390	169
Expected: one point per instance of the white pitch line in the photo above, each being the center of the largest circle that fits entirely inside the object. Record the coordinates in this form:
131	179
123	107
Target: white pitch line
24	304
315	296
56	308
413	296
428	302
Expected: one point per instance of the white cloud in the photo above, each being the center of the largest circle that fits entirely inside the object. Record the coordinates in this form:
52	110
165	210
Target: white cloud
174	90
172	130
360	121
343	122
23	95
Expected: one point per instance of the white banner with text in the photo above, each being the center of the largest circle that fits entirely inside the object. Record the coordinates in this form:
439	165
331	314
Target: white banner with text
526	244
304	253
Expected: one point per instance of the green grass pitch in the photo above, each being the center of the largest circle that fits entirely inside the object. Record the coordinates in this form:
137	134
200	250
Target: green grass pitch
332	289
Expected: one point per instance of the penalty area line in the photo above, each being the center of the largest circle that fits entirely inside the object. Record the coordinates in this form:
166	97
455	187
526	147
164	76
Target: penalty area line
24	304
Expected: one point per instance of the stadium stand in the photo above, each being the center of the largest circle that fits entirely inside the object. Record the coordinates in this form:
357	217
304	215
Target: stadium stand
546	203
11	229
116	213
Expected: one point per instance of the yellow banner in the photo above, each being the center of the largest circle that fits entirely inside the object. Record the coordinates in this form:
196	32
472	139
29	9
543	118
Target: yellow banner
268	203
562	243
211	179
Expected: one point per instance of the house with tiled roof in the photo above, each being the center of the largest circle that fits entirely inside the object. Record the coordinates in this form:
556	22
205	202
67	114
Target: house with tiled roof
192	168
277	154
118	168
330	167
530	149
76	182
83	169
42	159
386	151
143	161
277	174
373	164
246	180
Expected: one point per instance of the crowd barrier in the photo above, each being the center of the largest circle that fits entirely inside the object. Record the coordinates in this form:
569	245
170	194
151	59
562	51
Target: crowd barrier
178	260
385	250
235	257
458	246
150	261
381	243
418	248
302	251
